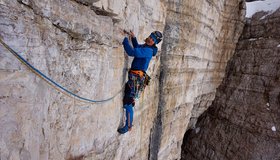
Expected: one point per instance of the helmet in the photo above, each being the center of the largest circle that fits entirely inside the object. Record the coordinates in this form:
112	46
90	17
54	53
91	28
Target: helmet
156	36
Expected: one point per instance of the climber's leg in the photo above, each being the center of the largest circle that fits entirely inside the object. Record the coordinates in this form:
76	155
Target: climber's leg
129	119
129	102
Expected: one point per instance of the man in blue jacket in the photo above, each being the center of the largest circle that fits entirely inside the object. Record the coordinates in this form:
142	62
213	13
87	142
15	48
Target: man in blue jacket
137	77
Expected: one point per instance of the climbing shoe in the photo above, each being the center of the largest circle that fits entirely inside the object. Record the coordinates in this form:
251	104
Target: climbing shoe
129	119
123	130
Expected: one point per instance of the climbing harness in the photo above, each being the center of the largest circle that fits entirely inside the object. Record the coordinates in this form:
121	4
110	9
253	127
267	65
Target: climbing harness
52	82
138	80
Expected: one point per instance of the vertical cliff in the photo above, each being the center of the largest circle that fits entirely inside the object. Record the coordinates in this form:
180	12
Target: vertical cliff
243	121
195	52
77	43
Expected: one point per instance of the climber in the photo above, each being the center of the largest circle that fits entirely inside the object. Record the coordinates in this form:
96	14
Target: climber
137	77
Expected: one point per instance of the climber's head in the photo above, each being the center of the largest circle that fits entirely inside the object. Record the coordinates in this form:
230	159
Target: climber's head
154	38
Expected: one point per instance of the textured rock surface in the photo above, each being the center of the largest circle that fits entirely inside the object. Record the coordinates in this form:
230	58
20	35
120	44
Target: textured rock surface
244	120
77	43
194	56
82	51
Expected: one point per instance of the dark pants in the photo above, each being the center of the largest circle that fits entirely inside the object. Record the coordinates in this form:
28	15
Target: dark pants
133	87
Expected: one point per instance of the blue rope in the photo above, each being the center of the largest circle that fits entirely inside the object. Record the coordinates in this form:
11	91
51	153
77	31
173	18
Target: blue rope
50	80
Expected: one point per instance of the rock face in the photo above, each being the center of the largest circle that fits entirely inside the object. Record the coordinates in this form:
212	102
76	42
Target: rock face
244	120
194	55
78	44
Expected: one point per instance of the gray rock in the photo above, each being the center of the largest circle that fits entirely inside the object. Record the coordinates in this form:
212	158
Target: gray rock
243	121
78	44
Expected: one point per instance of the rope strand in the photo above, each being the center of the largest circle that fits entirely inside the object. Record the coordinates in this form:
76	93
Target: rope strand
52	82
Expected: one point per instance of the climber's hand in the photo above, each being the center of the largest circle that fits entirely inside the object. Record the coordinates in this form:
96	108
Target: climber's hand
125	33
122	32
131	34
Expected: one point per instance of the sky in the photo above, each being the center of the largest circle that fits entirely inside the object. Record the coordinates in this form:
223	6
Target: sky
266	5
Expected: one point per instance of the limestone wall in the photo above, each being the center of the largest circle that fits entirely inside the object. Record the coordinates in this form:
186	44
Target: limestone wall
78	44
243	121
201	39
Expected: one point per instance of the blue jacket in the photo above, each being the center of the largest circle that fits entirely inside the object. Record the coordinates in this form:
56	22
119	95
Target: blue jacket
142	54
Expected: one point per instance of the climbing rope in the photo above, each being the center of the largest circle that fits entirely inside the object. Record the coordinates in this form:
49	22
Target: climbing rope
52	82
